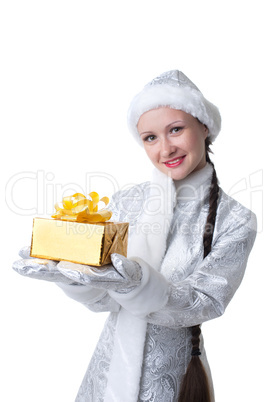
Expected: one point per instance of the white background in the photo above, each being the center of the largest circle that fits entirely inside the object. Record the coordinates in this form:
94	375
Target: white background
68	72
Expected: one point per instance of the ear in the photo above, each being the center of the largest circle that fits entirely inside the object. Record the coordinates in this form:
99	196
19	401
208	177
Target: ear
206	131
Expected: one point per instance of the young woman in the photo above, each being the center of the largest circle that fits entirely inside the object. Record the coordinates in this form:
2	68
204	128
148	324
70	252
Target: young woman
188	248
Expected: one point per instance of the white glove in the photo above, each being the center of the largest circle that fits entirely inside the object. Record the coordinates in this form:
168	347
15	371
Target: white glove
122	276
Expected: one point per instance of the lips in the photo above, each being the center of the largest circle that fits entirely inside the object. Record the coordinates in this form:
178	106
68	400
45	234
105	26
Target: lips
174	162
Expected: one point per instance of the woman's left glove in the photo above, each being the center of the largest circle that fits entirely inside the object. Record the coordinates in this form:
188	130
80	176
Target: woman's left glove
122	276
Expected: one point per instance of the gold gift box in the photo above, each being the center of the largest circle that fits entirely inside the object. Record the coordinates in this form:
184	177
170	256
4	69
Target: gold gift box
82	243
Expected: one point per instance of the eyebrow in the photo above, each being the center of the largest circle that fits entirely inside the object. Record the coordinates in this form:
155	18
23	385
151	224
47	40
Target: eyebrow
170	124
146	132
174	122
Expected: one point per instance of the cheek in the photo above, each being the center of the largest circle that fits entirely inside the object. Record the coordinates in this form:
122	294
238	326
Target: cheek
195	143
150	151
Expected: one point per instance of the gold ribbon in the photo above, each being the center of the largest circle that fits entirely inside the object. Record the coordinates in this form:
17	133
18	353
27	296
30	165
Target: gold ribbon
78	208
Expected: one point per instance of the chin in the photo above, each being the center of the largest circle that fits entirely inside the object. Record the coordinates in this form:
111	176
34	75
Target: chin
185	171
177	174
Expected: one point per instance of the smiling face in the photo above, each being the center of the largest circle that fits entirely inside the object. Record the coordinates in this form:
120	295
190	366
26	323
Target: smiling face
174	141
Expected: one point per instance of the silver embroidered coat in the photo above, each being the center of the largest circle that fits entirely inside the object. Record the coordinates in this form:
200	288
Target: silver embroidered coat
199	290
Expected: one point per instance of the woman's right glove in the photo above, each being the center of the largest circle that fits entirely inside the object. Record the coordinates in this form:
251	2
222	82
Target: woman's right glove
47	270
38	268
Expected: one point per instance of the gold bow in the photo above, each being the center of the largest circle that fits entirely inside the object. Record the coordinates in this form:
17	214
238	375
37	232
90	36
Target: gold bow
78	208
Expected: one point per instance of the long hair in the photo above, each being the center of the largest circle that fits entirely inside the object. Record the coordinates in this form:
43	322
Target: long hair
195	385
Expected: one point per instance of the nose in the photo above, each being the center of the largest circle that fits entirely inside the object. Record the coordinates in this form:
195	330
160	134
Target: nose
167	148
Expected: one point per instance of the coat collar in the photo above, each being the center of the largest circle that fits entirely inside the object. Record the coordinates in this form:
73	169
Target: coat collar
195	186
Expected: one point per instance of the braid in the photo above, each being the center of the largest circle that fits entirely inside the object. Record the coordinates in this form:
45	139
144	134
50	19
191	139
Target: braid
210	223
196	332
195	386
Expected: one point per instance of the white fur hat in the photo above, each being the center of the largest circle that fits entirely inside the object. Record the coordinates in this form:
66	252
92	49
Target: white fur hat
175	90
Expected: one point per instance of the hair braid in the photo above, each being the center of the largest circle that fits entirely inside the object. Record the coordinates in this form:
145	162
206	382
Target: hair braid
210	223
196	332
195	386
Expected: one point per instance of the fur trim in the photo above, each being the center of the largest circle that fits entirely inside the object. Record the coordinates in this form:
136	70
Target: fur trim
148	244
125	367
190	187
183	98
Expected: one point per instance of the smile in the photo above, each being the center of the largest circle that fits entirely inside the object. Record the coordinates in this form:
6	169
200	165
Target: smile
175	162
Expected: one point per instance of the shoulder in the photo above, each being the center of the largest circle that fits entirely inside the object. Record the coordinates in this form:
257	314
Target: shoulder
232	215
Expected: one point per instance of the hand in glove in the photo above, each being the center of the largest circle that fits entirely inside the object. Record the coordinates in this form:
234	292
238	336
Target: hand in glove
38	268
47	270
122	276
135	285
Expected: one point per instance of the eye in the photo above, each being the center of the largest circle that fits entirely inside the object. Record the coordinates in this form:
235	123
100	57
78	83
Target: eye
176	129
149	138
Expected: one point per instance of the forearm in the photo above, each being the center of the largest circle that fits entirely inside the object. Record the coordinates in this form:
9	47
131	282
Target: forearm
186	307
202	296
206	293
174	305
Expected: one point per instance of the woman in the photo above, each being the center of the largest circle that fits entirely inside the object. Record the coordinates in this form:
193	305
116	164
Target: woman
188	248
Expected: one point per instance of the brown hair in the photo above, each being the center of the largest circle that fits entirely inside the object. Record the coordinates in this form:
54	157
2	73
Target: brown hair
195	385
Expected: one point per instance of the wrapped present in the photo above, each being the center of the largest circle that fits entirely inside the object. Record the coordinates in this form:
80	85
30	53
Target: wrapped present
79	232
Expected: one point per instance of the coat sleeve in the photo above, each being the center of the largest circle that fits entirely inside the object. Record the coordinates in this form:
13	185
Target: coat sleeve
205	293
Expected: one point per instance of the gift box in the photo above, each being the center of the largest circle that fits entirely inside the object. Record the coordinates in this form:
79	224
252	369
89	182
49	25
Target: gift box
83	243
79	232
